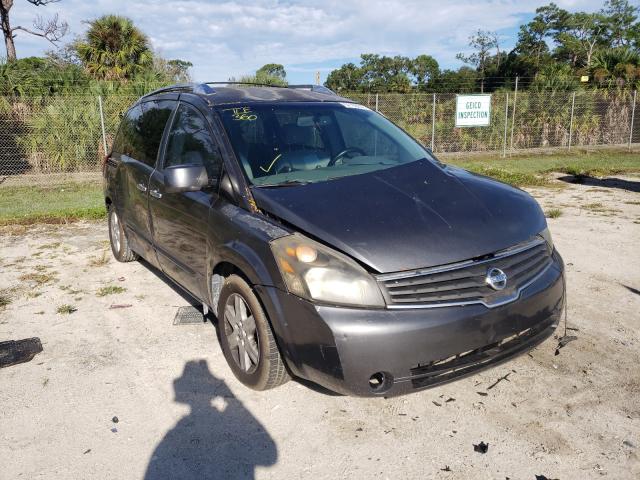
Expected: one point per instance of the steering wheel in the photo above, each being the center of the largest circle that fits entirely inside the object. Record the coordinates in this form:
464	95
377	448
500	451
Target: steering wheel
344	152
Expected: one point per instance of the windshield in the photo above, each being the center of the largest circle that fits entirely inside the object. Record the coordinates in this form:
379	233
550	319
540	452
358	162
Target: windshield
287	144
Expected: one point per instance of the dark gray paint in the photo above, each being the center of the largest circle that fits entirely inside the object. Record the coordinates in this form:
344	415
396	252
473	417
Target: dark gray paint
411	216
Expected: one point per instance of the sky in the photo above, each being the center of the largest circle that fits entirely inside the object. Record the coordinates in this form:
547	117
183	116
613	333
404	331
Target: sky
226	39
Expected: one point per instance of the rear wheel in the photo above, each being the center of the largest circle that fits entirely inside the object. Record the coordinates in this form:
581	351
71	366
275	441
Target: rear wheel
246	338
118	239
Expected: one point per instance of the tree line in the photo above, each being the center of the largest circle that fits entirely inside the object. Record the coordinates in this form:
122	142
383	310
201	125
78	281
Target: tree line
557	49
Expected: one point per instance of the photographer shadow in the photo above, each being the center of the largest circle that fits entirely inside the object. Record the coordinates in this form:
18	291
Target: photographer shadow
218	439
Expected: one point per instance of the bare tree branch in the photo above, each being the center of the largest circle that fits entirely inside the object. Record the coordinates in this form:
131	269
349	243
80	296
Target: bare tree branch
52	29
40	3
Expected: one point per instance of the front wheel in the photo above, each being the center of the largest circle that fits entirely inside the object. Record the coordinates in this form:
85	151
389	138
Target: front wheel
246	338
118	239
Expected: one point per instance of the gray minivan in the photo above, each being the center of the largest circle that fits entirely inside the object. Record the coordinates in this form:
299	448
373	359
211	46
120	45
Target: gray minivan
330	245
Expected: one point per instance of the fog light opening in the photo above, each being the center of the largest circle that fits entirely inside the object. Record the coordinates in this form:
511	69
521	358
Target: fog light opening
379	381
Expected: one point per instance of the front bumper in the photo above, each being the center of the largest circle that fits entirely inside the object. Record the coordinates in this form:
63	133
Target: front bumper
341	348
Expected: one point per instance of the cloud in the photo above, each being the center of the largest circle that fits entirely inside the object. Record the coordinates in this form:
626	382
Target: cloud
231	38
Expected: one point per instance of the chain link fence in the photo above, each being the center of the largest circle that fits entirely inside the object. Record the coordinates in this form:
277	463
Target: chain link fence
54	140
520	121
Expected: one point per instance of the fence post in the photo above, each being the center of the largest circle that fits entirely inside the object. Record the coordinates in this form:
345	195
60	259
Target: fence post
573	104
506	123
433	123
633	115
376	102
104	135
513	114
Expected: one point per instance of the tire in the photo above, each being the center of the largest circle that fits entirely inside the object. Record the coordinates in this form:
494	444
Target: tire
119	243
257	341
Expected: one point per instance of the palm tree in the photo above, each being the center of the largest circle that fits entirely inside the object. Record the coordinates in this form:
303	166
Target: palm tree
616	66
114	49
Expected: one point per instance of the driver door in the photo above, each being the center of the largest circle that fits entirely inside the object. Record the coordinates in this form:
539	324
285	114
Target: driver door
180	219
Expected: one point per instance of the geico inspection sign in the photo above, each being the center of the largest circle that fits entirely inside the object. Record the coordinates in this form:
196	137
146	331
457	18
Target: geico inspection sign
473	110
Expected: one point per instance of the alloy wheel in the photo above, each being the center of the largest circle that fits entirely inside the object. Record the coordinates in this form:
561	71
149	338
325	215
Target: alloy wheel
115	231
241	333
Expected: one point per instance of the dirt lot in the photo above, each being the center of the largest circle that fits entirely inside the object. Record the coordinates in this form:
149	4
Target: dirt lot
571	416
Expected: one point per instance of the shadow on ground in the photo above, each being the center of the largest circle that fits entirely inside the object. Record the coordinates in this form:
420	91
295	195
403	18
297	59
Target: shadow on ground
608	182
218	439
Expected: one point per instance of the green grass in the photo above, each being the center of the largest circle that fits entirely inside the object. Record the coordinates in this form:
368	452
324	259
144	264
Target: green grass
533	169
110	290
27	205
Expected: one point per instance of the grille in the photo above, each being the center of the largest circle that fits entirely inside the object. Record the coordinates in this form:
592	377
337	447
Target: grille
465	283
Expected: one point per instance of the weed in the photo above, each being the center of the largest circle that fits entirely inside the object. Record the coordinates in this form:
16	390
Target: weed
38	278
5	299
41	312
632	203
69	290
66	309
49	246
110	290
100	261
553	213
593	206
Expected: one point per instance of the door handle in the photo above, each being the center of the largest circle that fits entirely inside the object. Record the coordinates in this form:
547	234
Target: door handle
141	187
155	193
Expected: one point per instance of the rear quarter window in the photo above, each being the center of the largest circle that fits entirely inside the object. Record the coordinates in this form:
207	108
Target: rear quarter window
141	130
129	140
155	116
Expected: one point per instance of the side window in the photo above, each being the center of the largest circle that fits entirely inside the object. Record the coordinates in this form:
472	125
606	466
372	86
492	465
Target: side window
129	141
153	121
190	143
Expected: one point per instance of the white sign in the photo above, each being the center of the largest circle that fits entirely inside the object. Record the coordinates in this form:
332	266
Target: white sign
473	110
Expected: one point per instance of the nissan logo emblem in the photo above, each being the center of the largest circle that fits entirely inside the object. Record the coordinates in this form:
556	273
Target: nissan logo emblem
496	279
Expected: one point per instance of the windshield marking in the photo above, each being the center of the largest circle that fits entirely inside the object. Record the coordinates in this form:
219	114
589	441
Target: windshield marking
271	164
242	113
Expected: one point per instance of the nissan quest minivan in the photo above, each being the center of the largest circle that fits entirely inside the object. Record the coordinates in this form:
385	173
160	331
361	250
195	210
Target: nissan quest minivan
330	245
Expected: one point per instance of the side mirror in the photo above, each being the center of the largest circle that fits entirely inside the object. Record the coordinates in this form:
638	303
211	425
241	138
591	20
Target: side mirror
185	178
226	188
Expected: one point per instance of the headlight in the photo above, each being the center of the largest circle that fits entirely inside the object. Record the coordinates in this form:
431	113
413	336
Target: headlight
315	272
546	234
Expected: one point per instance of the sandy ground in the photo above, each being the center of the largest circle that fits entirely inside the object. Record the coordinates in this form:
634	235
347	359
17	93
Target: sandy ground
571	416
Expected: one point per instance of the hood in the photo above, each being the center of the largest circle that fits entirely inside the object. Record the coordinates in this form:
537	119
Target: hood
412	216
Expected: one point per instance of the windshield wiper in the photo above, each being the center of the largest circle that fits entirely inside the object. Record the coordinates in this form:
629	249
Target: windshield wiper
288	183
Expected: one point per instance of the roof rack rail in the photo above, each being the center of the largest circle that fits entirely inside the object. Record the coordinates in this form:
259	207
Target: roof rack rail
314	88
252	84
201	88
204	88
